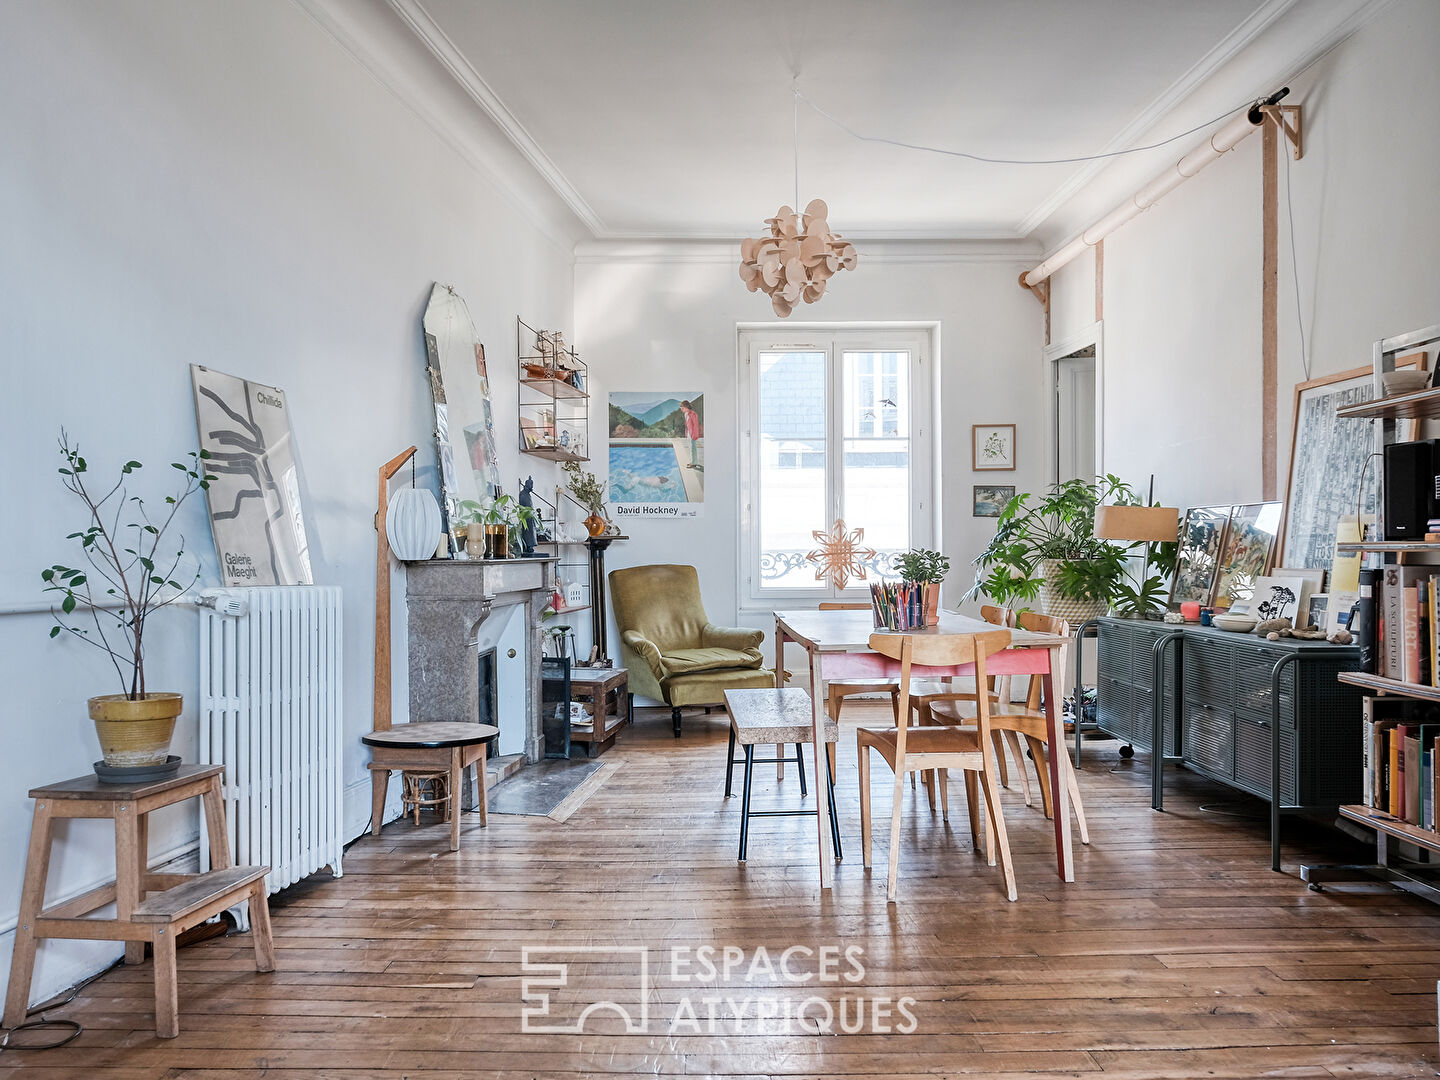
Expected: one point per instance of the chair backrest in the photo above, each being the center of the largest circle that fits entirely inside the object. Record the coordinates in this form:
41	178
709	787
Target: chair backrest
661	602
1042	624
941	650
841	605
998	615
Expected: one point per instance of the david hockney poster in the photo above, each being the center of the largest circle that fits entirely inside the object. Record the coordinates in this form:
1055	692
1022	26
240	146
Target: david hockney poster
254	500
657	455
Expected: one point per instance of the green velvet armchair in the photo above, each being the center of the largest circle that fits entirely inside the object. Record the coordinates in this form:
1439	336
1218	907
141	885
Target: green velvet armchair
671	650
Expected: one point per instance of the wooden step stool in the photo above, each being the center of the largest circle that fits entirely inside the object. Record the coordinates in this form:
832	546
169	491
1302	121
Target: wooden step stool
150	907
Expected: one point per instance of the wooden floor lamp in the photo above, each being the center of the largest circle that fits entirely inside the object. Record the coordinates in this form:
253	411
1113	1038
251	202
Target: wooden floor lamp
382	594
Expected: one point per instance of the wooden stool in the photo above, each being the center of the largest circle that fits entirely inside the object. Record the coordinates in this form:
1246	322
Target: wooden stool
778	717
154	908
428	747
420	789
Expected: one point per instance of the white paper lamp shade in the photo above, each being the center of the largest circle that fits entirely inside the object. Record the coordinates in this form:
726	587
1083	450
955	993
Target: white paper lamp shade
413	524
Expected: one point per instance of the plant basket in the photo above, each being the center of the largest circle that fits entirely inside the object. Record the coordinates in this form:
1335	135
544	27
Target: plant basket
1052	602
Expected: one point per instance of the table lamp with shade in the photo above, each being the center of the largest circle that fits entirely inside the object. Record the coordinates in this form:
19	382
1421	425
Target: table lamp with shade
1138	524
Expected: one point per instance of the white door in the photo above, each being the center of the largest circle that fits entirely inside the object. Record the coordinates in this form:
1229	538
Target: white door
1075	418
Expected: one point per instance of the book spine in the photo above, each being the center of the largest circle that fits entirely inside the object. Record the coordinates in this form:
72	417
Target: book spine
1392	776
1367	734
1391	602
1411	767
1410	632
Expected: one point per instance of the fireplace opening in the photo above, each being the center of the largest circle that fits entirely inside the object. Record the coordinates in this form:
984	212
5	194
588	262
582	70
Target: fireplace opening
488	699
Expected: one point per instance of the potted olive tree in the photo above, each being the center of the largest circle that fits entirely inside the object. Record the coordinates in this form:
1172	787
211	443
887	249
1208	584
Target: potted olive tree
107	603
1045	548
926	568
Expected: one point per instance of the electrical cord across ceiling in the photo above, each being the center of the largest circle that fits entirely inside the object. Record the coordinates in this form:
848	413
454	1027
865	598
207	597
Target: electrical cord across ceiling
983	159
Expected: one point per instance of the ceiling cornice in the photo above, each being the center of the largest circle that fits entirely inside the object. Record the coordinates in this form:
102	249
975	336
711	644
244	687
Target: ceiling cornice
438	42
367	43
1173	95
727	251
1361	17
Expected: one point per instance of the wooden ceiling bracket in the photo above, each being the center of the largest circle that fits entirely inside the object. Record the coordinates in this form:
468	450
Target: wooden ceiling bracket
1041	292
1291	123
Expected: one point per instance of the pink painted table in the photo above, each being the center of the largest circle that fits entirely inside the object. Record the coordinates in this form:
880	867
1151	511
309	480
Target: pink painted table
837	646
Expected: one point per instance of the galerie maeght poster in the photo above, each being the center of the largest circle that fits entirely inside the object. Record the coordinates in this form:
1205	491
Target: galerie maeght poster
254	500
657	455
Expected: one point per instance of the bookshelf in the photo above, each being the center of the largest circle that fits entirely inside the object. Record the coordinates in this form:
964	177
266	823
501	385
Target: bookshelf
554	399
1422	404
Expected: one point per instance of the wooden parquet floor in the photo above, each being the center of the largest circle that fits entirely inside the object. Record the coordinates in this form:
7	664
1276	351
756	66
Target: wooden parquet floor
1176	953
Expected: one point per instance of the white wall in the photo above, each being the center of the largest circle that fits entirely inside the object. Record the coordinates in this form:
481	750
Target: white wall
1182	282
202	181
664	318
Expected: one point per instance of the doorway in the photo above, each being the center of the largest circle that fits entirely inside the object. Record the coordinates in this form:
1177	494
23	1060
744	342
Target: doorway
1075	415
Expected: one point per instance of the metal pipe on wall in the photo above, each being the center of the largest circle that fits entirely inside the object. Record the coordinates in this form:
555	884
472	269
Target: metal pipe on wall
1220	143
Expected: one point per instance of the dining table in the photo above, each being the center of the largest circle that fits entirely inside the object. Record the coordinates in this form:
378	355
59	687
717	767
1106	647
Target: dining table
837	646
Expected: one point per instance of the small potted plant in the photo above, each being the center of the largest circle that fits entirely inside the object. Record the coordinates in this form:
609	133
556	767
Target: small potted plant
121	545
501	517
589	492
925	568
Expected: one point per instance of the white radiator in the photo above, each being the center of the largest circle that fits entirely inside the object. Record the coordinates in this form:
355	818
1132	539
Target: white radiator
270	712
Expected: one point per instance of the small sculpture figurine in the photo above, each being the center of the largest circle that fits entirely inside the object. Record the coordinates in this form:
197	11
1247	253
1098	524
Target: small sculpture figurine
529	531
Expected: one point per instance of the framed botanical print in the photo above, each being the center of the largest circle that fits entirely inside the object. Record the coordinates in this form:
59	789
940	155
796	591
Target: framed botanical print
1247	553
992	447
1198	560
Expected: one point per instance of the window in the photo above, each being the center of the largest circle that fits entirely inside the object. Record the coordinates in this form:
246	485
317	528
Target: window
834	425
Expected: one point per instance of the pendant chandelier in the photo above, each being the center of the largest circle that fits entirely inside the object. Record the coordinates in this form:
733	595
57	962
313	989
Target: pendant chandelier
800	254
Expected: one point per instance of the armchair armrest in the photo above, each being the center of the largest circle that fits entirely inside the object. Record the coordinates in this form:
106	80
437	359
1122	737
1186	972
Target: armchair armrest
730	637
646	649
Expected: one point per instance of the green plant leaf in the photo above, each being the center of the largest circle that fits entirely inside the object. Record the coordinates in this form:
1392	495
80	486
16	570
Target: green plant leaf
55	631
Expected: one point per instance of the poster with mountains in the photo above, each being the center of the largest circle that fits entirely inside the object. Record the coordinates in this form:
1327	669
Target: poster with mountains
657	455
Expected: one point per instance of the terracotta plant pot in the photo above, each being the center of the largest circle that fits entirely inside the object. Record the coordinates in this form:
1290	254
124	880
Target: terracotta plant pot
497	542
595	525
135	732
932	603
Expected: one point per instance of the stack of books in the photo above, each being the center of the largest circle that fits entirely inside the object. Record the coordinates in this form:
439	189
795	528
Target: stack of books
1406	616
897	605
1400	749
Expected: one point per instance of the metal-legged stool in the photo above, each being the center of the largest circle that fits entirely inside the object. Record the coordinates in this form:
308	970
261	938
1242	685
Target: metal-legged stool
774	717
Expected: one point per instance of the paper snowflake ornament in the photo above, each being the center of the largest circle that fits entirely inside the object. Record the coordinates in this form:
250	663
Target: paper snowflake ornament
840	556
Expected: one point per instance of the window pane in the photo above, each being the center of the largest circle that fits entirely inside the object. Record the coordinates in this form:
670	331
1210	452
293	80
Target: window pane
791	448
876	475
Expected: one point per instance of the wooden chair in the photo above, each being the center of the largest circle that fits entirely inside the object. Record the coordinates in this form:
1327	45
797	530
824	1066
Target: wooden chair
919	749
927	692
1028	722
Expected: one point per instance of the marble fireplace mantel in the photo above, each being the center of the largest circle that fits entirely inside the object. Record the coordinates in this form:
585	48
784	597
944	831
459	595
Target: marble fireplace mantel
448	599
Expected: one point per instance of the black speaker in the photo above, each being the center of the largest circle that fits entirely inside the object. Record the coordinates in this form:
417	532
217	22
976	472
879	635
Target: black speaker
1412	488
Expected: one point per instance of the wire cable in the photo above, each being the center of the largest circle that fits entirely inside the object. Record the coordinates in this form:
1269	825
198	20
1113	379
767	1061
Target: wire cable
1294	260
800	94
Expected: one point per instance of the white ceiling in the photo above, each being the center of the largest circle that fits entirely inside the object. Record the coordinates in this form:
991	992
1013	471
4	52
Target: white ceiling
673	118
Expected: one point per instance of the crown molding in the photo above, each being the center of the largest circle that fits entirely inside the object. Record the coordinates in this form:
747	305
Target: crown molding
369	46
727	251
1229	47
1357	20
438	42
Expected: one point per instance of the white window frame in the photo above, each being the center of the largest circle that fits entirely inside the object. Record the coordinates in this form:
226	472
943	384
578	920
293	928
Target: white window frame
834	340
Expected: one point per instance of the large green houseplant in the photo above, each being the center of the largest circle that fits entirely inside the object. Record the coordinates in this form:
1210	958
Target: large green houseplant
107	601
1045	549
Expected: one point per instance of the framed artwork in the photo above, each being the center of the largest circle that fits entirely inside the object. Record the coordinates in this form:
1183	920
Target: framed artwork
1246	553
990	499
255	512
657	454
1327	457
992	447
1275	598
1201	537
1319	612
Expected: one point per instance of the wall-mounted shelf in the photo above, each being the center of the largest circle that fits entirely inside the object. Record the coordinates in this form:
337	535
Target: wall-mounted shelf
1420	405
554	412
1382	685
1394	547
